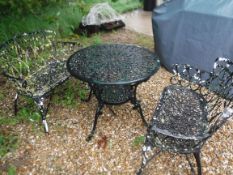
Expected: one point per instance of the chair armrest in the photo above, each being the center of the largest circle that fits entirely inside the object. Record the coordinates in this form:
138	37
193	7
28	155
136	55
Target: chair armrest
23	82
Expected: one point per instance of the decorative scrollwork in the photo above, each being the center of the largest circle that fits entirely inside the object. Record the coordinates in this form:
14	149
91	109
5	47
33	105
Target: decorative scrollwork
216	86
113	64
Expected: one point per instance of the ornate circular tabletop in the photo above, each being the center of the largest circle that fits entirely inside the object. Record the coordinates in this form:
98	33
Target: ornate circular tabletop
113	64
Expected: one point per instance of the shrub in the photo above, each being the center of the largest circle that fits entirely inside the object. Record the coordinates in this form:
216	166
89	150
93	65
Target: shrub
24	6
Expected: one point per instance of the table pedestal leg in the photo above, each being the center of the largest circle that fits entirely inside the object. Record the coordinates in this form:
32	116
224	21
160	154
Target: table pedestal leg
97	114
137	105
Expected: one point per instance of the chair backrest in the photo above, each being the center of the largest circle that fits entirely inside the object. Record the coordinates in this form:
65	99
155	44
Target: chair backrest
216	87
26	52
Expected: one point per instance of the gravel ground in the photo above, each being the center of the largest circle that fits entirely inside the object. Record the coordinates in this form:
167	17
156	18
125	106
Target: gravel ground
65	150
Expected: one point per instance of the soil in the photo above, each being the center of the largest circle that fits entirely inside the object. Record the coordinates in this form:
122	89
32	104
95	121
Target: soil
65	151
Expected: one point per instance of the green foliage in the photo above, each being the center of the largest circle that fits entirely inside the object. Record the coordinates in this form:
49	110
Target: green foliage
70	94
96	39
125	5
119	5
28	114
24	6
138	141
55	15
2	96
8	143
8	121
11	170
62	19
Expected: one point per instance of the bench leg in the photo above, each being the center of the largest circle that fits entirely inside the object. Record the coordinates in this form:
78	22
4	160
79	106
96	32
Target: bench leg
43	111
16	104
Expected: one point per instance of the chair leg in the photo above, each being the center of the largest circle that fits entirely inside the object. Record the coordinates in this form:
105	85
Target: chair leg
16	104
143	163
137	106
146	159
97	114
190	164
43	110
198	160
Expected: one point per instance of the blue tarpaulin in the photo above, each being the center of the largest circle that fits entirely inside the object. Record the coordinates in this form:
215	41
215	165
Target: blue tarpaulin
195	32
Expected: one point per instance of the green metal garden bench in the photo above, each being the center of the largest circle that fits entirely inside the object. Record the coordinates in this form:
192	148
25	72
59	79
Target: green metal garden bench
35	63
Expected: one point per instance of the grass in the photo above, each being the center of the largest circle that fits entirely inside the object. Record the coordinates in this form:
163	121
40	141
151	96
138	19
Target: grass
6	121
120	6
11	170
138	141
63	19
26	113
126	5
70	94
7	143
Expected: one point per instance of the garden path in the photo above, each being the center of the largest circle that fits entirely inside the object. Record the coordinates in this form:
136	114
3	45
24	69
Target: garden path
139	21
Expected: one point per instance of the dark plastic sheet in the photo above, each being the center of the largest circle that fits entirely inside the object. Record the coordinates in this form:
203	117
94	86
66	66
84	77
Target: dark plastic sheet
195	32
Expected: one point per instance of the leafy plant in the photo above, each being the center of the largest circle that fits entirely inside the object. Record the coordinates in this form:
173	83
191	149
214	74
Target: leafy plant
29	115
11	170
139	140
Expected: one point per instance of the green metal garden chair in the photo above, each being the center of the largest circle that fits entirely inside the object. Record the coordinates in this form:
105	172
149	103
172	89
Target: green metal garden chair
190	111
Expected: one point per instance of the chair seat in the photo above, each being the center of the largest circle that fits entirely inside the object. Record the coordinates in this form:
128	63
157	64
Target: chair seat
45	79
180	119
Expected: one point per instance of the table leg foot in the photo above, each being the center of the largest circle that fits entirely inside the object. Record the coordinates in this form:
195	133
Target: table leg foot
89	137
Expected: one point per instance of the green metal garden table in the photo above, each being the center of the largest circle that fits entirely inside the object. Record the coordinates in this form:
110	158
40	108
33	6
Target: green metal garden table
113	72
